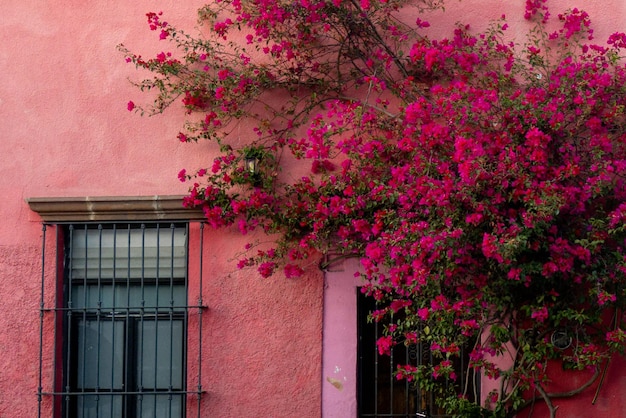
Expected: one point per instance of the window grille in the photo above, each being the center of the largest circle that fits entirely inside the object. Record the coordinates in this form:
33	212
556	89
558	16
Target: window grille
115	320
380	394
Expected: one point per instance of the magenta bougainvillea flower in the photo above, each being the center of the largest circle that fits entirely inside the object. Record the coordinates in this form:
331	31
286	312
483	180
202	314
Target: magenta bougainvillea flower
480	183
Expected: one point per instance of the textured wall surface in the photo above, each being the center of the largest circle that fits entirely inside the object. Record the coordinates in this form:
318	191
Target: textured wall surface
66	132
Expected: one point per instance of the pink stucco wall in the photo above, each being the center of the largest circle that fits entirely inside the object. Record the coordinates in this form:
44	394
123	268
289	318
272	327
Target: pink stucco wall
66	132
603	399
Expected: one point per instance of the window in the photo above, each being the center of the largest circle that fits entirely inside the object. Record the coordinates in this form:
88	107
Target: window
121	308
380	394
125	299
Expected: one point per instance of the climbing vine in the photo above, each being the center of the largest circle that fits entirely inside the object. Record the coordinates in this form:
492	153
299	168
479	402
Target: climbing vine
480	181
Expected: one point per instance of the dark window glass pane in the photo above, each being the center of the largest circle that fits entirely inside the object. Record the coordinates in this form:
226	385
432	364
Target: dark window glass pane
160	406
160	354
100	355
121	296
99	406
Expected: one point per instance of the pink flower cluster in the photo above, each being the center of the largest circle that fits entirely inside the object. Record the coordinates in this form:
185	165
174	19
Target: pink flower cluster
480	184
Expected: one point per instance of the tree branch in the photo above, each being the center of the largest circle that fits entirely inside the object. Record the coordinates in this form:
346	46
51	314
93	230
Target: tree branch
547	397
547	400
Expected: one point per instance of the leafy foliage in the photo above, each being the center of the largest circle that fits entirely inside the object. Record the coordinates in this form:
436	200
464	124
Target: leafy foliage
480	182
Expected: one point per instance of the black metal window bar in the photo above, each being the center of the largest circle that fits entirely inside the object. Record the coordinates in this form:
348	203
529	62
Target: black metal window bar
117	321
380	394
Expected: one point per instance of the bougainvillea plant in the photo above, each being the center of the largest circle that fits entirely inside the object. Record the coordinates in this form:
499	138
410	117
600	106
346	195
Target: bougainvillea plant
480	181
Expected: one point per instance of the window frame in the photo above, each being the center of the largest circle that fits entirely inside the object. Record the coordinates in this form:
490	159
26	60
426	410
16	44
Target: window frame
59	212
79	306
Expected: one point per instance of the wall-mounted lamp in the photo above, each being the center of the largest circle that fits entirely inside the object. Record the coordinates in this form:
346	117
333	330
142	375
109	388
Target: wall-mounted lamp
252	165
561	339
